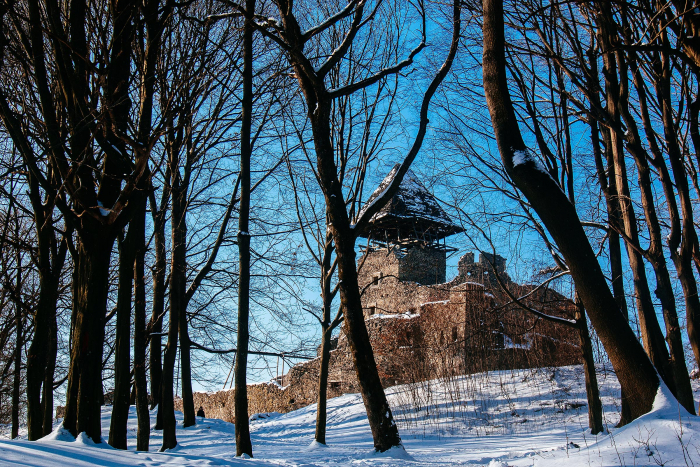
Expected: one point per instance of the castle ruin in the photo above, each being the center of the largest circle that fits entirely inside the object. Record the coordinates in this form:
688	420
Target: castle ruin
422	326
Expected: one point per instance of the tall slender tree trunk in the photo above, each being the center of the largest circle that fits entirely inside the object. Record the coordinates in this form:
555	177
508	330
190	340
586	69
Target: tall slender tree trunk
595	407
47	393
684	245
19	344
122	353
608	183
384	430
652	337
138	225
243	443
158	305
322	399
328	325
186	372
177	305
91	282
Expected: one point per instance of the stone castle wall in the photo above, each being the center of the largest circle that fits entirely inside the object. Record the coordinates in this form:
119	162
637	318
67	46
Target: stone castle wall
425	266
384	287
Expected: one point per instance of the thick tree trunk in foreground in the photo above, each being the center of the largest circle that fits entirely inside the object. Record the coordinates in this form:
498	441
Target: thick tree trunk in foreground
637	376
384	430
91	281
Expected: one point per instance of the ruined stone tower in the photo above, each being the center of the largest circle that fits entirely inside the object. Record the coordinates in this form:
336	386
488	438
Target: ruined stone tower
406	244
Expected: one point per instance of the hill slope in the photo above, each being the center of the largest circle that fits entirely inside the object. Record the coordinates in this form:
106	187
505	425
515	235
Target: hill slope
509	418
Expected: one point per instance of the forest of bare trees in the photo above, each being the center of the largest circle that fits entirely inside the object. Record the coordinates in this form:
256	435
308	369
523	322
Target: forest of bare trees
183	185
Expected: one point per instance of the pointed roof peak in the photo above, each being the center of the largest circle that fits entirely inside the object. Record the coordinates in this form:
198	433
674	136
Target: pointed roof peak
413	213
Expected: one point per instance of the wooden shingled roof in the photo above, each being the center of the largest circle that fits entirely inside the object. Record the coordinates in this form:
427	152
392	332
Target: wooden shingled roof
412	215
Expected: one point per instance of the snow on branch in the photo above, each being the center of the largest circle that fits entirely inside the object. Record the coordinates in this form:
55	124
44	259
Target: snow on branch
330	21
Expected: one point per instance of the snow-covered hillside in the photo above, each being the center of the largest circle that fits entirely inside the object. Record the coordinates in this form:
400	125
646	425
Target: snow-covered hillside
508	418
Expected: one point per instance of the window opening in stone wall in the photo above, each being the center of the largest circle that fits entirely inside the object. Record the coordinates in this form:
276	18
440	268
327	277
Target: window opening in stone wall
377	278
455	336
372	309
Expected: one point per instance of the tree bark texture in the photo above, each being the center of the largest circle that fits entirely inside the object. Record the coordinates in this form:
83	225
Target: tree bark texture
47	393
91	282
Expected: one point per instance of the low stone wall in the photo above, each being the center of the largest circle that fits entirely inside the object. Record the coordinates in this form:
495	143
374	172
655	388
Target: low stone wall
300	390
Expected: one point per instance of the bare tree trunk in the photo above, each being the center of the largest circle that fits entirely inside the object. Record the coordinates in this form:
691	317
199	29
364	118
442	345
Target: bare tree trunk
177	304
158	306
19	334
138	225
47	393
322	402
243	443
122	353
319	103
636	374
384	430
327	295
186	372
41	356
683	244
91	280
595	407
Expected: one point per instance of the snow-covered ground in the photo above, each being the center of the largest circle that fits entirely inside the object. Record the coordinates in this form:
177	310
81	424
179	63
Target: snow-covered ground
507	418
